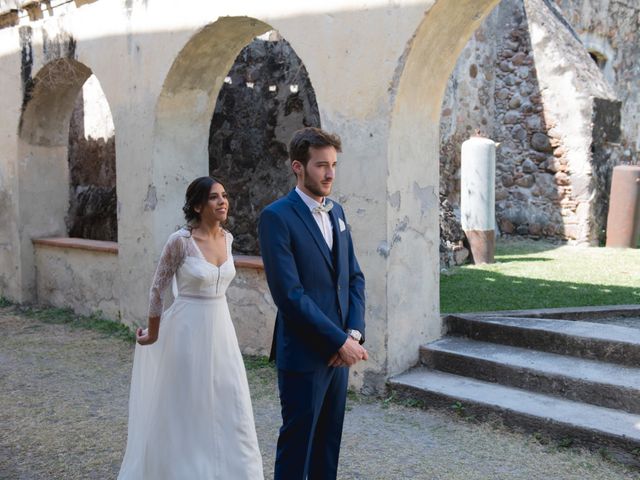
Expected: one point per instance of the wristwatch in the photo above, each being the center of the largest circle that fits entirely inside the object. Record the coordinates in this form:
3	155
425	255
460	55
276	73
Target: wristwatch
355	334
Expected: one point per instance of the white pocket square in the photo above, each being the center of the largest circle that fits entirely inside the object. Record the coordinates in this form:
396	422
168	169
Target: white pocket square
343	227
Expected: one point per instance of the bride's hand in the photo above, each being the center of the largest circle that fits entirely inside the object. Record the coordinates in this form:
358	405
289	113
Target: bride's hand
143	337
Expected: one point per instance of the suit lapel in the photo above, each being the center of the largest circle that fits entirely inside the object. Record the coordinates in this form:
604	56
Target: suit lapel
307	219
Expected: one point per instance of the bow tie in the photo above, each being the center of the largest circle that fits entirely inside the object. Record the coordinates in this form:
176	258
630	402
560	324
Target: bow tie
323	208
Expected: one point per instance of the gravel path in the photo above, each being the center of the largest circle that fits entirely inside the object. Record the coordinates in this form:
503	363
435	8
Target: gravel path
63	409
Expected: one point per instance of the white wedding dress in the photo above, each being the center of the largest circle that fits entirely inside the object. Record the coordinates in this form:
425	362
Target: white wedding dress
190	415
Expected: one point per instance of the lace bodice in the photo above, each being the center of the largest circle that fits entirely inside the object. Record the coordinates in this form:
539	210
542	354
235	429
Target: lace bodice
195	276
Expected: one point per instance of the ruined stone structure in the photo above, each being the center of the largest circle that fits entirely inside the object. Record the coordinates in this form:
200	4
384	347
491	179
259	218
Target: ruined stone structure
524	79
378	73
610	30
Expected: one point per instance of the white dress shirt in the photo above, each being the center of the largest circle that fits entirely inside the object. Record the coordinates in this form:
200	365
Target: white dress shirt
321	218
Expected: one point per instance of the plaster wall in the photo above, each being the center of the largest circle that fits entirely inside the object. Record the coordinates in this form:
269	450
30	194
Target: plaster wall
10	101
379	70
83	280
252	311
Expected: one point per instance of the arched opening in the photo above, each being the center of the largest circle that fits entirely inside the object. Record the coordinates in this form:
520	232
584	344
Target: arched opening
266	96
92	167
228	107
184	113
599	58
61	158
494	90
601	52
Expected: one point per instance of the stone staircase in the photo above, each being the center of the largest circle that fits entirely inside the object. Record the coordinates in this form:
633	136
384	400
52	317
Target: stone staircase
569	379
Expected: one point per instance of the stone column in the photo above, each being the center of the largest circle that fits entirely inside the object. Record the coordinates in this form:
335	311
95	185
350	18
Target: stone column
478	197
623	223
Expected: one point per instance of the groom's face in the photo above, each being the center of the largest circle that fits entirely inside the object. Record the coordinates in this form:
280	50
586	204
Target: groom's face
318	175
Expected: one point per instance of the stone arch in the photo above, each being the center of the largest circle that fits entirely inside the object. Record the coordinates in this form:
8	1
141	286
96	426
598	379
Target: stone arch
184	113
413	174
48	102
43	172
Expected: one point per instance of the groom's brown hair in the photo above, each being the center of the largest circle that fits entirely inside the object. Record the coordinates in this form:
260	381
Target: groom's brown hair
311	137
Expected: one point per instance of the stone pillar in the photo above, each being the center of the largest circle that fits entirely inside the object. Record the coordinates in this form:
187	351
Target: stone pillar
623	223
478	197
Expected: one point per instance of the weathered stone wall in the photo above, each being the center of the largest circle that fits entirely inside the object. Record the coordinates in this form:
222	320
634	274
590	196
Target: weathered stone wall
606	153
83	280
541	179
265	98
577	102
612	29
252	311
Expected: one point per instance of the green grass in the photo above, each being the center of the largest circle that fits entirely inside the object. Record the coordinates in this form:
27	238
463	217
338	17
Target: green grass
529	274
257	362
95	322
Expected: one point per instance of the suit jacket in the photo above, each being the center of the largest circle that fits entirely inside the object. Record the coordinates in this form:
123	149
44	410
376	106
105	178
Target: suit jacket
319	293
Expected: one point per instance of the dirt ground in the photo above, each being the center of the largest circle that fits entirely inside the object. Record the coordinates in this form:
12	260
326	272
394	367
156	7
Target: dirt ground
63	415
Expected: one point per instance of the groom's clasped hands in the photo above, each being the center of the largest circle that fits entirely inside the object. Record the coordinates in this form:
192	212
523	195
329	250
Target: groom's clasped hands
349	354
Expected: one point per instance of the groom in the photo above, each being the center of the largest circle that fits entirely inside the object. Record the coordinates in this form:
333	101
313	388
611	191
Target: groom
318	288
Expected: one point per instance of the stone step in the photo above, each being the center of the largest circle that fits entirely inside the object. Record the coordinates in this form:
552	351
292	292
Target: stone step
582	423
589	381
609	343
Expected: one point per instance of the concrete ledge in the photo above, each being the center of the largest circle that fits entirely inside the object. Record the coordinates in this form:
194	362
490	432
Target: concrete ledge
78	243
240	261
248	261
79	274
566	313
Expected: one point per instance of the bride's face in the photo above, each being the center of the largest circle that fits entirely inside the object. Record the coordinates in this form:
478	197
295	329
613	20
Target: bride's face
217	207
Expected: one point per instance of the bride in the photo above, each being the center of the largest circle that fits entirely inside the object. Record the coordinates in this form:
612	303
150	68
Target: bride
190	413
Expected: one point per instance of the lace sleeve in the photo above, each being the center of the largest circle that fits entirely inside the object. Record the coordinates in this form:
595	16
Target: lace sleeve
171	258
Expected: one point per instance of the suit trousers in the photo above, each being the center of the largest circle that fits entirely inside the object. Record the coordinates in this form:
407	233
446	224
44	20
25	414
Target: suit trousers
313	405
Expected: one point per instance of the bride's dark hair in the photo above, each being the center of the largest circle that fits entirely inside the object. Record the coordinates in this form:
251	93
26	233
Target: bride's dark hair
197	196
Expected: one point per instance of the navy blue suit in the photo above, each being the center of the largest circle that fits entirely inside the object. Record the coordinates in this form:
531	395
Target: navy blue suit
319	294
